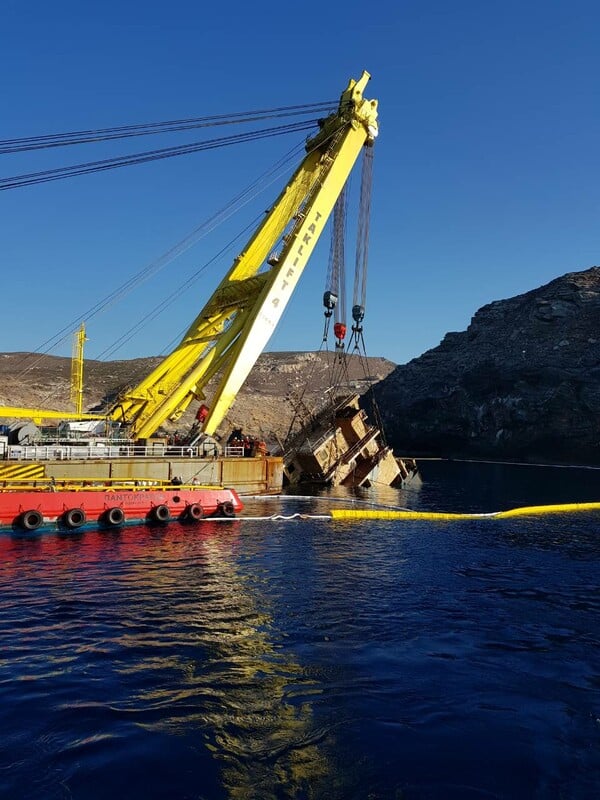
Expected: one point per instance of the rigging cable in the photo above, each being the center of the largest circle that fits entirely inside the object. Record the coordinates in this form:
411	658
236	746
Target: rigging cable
173	253
170	299
360	280
241	199
28	143
334	302
59	173
334	297
362	243
163	305
202	230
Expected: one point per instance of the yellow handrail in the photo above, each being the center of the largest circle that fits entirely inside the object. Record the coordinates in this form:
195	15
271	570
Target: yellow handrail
84	484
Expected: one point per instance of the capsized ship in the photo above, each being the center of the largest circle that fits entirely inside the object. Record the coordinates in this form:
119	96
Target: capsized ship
341	447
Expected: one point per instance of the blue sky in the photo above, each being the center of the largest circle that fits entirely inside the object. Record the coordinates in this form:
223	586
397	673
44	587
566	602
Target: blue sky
486	169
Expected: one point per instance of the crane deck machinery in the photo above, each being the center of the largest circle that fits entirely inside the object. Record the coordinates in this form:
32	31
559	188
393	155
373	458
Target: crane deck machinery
236	323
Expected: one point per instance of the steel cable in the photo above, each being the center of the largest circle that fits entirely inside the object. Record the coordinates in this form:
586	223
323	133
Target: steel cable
27	143
59	173
362	238
243	197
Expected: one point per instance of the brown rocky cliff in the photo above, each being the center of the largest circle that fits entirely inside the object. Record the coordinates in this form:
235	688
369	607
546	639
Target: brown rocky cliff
264	406
522	382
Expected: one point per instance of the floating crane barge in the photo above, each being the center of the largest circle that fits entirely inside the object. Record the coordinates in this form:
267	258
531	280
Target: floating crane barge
69	507
221	345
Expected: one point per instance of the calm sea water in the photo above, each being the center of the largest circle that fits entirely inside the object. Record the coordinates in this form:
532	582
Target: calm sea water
309	659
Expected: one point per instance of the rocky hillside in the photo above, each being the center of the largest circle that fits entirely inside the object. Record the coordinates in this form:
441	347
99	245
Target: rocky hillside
522	382
264	407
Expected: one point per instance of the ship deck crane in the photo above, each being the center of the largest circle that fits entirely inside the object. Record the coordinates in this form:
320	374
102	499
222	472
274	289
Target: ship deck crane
236	323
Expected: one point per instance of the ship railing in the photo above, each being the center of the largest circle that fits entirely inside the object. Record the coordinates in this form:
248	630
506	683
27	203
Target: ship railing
91	452
103	485
353	451
74	452
234	451
58	452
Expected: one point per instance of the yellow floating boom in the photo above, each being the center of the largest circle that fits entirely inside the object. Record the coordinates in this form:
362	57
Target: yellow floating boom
349	515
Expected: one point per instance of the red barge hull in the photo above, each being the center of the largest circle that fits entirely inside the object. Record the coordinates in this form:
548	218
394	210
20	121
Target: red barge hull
66	509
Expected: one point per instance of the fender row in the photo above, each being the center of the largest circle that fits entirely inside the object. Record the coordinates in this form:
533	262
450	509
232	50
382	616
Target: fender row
113	517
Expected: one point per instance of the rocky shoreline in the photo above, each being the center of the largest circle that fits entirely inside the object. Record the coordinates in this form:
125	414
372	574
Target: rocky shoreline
521	383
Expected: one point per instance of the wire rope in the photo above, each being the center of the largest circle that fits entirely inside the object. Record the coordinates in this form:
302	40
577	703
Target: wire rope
143	275
28	143
362	236
161	262
59	173
170	299
163	305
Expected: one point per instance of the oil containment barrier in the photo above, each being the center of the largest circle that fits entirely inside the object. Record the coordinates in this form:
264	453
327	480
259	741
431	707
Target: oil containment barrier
356	514
526	511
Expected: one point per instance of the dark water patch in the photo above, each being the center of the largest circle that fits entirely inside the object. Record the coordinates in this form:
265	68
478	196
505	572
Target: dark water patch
484	487
305	660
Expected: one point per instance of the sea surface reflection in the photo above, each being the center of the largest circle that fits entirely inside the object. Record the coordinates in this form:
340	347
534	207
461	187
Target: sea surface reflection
310	659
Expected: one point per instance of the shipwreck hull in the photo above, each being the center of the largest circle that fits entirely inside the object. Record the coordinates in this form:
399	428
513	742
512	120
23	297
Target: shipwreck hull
340	447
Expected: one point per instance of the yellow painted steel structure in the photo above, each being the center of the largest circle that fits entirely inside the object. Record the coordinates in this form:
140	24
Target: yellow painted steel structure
21	472
233	328
236	323
40	414
79	340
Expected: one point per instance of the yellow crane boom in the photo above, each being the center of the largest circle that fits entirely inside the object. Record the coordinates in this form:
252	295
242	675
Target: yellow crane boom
237	321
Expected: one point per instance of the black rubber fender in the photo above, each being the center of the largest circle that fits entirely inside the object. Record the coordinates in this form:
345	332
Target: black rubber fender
113	516
30	520
226	509
194	512
74	518
160	514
